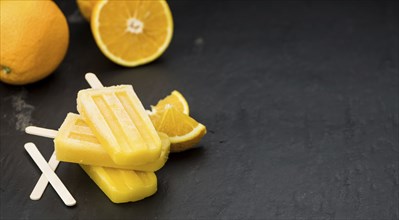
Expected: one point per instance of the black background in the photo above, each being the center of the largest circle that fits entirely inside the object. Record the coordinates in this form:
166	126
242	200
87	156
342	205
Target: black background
300	99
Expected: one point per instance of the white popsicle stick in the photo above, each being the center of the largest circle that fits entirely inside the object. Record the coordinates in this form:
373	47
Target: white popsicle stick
93	81
43	132
42	183
50	175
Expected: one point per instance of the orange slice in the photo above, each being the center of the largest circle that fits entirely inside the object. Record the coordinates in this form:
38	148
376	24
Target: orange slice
132	33
184	132
176	99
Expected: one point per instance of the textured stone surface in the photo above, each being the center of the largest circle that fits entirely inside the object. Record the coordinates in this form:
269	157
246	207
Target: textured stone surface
300	99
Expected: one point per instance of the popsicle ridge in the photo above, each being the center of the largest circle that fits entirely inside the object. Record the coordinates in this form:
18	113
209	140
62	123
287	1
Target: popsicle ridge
145	178
80	131
114	124
83	129
83	137
125	177
139	122
80	122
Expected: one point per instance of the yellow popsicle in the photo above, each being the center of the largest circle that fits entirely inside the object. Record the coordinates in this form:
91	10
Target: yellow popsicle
76	143
122	185
118	120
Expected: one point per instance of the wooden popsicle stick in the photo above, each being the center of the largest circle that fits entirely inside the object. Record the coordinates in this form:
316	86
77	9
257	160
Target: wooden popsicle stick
93	81
57	184
43	132
42	183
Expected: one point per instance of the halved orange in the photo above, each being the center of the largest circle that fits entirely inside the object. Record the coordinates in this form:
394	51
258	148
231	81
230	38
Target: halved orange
184	132
176	99
132	33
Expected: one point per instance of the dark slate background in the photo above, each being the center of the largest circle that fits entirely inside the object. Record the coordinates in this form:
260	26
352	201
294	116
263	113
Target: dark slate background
300	99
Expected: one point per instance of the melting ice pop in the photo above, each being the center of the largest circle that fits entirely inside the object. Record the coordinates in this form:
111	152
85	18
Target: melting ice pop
119	121
122	185
75	142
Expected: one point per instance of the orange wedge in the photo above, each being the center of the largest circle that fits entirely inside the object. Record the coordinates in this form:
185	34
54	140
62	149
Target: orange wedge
184	132
176	99
131	33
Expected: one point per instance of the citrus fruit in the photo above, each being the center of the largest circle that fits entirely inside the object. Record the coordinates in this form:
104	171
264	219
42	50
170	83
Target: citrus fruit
184	132
86	7
176	99
132	33
34	40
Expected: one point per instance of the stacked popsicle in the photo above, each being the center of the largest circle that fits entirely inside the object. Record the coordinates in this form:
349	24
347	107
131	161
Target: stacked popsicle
114	141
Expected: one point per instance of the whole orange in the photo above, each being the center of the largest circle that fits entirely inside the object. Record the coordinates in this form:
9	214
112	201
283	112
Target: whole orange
86	7
34	40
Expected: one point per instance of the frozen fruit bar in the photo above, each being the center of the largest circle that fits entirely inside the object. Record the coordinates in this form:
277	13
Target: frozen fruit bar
122	185
76	143
120	123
